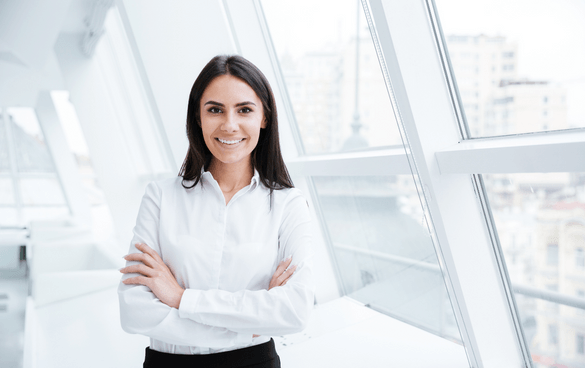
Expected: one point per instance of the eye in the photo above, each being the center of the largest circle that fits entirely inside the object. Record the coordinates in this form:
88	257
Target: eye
245	110
214	110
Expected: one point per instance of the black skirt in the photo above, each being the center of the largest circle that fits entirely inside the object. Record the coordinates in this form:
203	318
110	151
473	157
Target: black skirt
257	356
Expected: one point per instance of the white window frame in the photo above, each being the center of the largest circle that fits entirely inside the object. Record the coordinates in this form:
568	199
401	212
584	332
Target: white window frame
422	88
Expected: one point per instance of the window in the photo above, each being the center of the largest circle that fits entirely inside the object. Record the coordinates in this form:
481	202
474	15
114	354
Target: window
30	167
377	235
580	344
514	38
552	254
454	153
580	258
383	251
335	68
553	334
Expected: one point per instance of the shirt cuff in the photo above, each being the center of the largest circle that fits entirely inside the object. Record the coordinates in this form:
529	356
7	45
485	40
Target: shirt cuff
188	305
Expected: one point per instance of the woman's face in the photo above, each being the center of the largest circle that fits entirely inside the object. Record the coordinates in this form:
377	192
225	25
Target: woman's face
231	117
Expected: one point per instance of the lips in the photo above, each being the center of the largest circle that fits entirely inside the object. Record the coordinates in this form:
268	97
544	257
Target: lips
224	141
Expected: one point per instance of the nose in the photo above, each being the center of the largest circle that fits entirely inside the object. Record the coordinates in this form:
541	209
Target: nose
230	124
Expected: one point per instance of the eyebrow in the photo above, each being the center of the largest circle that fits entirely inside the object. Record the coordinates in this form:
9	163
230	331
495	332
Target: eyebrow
222	105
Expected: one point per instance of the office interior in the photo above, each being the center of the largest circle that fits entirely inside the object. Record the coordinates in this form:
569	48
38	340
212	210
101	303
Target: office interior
440	145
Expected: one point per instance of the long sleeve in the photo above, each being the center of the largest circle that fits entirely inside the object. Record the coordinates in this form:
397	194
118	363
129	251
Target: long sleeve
281	310
143	313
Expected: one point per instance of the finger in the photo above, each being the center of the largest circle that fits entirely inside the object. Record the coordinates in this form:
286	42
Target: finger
282	267
141	257
286	275
138	280
148	250
138	268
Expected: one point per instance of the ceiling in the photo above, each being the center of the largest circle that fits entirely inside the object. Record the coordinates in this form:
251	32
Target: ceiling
28	31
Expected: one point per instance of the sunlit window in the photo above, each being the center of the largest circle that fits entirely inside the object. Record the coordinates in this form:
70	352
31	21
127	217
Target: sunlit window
521	58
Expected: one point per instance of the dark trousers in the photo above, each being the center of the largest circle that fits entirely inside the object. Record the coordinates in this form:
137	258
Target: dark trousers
257	356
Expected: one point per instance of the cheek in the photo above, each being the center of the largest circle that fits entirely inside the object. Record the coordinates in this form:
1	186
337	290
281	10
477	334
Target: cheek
206	132
206	128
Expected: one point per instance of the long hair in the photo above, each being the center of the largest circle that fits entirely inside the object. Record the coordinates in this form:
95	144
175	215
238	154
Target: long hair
266	157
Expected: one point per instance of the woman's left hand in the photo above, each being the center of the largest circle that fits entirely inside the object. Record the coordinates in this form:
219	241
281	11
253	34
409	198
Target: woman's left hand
155	274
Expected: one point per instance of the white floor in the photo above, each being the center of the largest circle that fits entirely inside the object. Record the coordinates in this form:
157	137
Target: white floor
85	332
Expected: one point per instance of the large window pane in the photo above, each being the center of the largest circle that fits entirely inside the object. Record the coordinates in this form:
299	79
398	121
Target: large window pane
4	158
383	251
41	191
6	191
339	105
518	64
32	154
540	219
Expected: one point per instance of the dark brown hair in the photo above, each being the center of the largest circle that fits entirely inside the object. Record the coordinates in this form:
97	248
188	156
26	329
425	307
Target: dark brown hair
266	157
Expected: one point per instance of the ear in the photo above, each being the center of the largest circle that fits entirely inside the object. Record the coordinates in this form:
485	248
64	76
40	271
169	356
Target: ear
263	124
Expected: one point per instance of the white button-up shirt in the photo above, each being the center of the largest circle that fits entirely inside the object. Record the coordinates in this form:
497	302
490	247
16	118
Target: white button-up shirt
224	256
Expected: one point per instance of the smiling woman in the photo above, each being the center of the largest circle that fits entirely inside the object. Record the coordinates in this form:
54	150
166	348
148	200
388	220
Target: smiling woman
233	80
221	256
231	119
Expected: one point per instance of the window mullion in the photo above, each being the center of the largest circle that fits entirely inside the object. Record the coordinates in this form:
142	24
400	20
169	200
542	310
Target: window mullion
422	103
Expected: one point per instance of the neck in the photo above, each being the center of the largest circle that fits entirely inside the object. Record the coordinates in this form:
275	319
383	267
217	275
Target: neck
231	177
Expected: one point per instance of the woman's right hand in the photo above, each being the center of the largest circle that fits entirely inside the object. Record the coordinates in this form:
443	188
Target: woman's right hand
282	274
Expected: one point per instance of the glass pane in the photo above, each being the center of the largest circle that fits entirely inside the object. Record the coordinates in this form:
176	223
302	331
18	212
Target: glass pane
78	146
9	217
6	191
4	160
338	106
517	73
31	151
383	250
540	219
41	191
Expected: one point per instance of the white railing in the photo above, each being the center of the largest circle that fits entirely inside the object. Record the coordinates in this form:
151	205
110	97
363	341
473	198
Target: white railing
531	291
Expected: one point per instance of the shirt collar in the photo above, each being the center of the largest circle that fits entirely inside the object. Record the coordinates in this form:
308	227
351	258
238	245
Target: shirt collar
255	180
208	178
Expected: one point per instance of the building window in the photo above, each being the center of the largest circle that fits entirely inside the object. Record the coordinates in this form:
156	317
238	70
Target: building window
508	54
580	344
552	254
545	99
580	258
553	334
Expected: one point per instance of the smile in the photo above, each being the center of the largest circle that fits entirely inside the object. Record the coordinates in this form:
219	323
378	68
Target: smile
229	142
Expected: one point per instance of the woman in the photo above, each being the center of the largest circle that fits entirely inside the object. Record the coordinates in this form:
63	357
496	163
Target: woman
220	259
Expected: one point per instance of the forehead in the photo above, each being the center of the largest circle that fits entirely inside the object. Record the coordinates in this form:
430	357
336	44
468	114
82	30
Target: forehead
229	89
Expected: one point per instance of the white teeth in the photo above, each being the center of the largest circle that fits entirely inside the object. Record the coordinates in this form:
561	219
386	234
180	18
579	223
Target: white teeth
230	142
